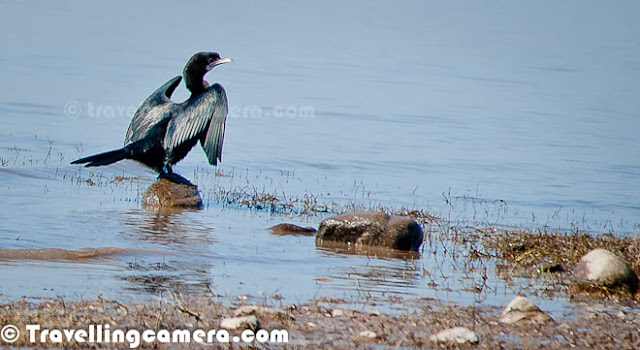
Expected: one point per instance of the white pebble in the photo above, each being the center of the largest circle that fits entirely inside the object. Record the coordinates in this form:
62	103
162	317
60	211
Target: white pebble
368	334
337	313
237	322
459	335
248	309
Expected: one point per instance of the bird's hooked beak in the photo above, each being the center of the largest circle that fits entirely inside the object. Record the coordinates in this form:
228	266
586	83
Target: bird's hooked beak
218	62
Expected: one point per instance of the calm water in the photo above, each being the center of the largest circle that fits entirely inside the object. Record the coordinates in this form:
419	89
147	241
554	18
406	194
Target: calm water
519	114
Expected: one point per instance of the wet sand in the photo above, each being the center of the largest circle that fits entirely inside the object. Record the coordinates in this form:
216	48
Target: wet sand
56	254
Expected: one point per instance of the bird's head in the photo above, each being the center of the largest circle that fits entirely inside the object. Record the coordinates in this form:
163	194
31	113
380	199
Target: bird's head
198	65
205	61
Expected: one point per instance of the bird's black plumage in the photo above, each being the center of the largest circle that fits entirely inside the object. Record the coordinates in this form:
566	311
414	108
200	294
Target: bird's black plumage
161	132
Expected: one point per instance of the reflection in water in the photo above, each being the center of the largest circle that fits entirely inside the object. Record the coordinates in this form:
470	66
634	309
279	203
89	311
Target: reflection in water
156	284
385	272
368	251
170	226
375	279
186	271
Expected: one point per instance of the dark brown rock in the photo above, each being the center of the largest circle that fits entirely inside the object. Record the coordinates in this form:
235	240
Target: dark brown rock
169	194
373	229
293	230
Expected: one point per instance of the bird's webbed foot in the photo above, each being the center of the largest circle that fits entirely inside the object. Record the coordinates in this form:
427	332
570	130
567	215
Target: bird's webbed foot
167	173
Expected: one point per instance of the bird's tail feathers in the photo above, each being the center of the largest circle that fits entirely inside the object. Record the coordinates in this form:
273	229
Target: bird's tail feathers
104	158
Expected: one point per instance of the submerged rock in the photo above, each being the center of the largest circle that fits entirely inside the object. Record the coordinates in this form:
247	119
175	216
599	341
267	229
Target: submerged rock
605	268
372	228
291	229
168	194
458	335
522	310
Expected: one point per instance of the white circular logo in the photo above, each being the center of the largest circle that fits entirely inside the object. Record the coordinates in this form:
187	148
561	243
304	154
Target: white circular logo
9	333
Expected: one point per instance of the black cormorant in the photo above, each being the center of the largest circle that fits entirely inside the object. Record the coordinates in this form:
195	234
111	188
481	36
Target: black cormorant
162	132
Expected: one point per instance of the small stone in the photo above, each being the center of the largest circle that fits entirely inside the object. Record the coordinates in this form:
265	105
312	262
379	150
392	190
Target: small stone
520	303
522	310
250	322
458	335
337	313
250	309
368	334
551	268
605	268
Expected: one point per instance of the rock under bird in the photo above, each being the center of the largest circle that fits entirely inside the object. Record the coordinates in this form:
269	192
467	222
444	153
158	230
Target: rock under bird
162	132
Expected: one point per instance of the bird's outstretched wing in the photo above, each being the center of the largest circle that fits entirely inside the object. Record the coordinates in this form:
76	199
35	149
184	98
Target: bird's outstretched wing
204	118
152	110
